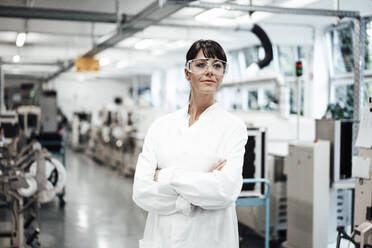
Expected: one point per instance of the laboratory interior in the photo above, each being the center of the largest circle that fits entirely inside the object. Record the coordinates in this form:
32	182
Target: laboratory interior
82	83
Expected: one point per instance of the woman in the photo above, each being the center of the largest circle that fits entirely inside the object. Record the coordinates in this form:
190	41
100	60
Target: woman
189	173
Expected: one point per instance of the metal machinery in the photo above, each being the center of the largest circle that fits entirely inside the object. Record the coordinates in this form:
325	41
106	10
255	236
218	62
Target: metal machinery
28	176
337	195
49	113
361	236
253	168
141	120
29	119
259	164
112	140
308	195
259	200
103	149
50	136
363	184
339	134
81	125
363	202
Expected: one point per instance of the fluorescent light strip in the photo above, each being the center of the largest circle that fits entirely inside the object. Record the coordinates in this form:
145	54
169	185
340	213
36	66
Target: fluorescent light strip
143	44
16	58
210	15
259	16
21	39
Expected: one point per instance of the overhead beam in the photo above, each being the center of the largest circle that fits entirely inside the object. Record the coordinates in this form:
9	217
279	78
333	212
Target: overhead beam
61	70
277	10
23	77
153	14
58	14
36	63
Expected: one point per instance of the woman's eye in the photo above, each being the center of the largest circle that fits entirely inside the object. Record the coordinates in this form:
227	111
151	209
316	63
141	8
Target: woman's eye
217	65
201	65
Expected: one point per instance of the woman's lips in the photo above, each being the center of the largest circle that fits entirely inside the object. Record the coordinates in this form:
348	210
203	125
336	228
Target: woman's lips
208	81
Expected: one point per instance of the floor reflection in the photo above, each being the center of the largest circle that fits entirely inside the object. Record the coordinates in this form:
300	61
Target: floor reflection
99	211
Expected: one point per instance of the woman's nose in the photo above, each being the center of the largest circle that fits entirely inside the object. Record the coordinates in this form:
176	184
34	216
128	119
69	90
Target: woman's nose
209	69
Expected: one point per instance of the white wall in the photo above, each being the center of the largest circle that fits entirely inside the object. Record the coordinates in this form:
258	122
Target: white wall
87	95
177	89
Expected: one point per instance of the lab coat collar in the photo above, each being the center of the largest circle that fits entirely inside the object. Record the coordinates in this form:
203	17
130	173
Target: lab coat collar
206	112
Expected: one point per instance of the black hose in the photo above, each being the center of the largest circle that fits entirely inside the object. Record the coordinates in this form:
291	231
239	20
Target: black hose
266	43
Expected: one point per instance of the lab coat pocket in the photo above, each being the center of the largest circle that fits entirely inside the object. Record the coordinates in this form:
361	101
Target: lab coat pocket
148	244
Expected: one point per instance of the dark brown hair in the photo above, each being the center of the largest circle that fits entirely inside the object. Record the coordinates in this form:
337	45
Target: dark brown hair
210	48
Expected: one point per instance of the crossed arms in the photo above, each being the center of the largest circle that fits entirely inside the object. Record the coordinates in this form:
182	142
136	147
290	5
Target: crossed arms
176	189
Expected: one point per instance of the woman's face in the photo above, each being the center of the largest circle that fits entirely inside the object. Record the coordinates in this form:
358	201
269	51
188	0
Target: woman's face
204	83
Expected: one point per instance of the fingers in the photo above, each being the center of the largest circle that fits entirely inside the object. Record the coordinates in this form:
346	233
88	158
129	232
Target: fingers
156	174
219	165
216	166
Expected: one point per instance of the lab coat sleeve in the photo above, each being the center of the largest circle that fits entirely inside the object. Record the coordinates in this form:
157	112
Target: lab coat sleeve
153	196
164	177
217	189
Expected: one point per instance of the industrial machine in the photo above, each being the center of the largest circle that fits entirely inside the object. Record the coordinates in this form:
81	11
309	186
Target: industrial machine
307	169
49	112
363	197
29	175
339	134
338	196
258	164
142	118
112	141
81	125
29	119
362	172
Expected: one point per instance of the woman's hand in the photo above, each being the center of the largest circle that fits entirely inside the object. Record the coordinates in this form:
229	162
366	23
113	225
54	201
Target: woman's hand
156	174
218	166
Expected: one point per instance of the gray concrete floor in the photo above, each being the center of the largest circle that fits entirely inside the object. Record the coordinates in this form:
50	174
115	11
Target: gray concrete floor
99	211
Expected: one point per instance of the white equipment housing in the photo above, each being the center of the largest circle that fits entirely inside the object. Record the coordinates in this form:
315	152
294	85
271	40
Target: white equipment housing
308	195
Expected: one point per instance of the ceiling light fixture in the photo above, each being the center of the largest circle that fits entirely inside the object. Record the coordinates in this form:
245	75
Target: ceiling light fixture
16	58
143	44
213	1
122	64
174	45
210	15
150	44
257	16
104	61
158	52
21	39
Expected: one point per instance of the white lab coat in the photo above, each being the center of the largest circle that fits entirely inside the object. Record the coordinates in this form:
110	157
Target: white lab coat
190	207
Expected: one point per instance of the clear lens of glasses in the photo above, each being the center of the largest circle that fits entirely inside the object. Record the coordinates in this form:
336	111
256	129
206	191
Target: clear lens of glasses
200	66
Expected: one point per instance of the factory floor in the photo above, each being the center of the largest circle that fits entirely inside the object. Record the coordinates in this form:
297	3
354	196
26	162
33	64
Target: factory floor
99	211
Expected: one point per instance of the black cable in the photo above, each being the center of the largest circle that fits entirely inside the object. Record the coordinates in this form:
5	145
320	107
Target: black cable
266	44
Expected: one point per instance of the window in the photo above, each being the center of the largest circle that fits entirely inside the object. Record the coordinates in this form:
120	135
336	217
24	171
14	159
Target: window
342	50
251	55
253	100
368	50
293	98
341	40
287	60
342	89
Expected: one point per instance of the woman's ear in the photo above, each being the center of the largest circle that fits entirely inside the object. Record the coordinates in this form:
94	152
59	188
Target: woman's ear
187	75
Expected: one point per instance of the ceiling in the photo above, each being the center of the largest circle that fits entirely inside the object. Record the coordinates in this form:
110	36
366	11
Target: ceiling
51	43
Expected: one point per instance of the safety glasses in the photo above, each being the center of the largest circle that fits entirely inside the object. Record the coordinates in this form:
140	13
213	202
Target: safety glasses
201	66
